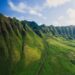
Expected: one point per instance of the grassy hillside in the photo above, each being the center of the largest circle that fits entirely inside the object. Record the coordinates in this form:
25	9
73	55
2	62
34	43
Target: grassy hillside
61	58
29	49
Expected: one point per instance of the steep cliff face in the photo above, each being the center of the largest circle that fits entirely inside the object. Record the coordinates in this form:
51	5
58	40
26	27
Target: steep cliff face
67	32
29	49
19	47
10	44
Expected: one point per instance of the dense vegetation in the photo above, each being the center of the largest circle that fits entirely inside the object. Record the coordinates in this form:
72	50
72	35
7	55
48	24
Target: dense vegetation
27	48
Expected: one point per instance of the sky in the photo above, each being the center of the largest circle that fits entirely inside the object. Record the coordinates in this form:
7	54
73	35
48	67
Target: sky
49	12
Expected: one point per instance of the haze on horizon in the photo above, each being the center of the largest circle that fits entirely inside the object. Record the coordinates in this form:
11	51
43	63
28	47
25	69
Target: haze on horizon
55	12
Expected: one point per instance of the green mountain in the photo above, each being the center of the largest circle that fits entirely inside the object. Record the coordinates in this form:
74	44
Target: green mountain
27	48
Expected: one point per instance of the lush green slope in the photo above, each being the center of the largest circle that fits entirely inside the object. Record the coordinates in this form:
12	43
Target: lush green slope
60	59
29	49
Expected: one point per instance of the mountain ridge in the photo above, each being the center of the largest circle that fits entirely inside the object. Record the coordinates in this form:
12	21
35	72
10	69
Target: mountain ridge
29	49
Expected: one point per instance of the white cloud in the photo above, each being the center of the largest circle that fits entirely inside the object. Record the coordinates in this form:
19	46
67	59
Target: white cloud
36	13
23	8
60	18
69	19
55	3
71	15
19	8
60	21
